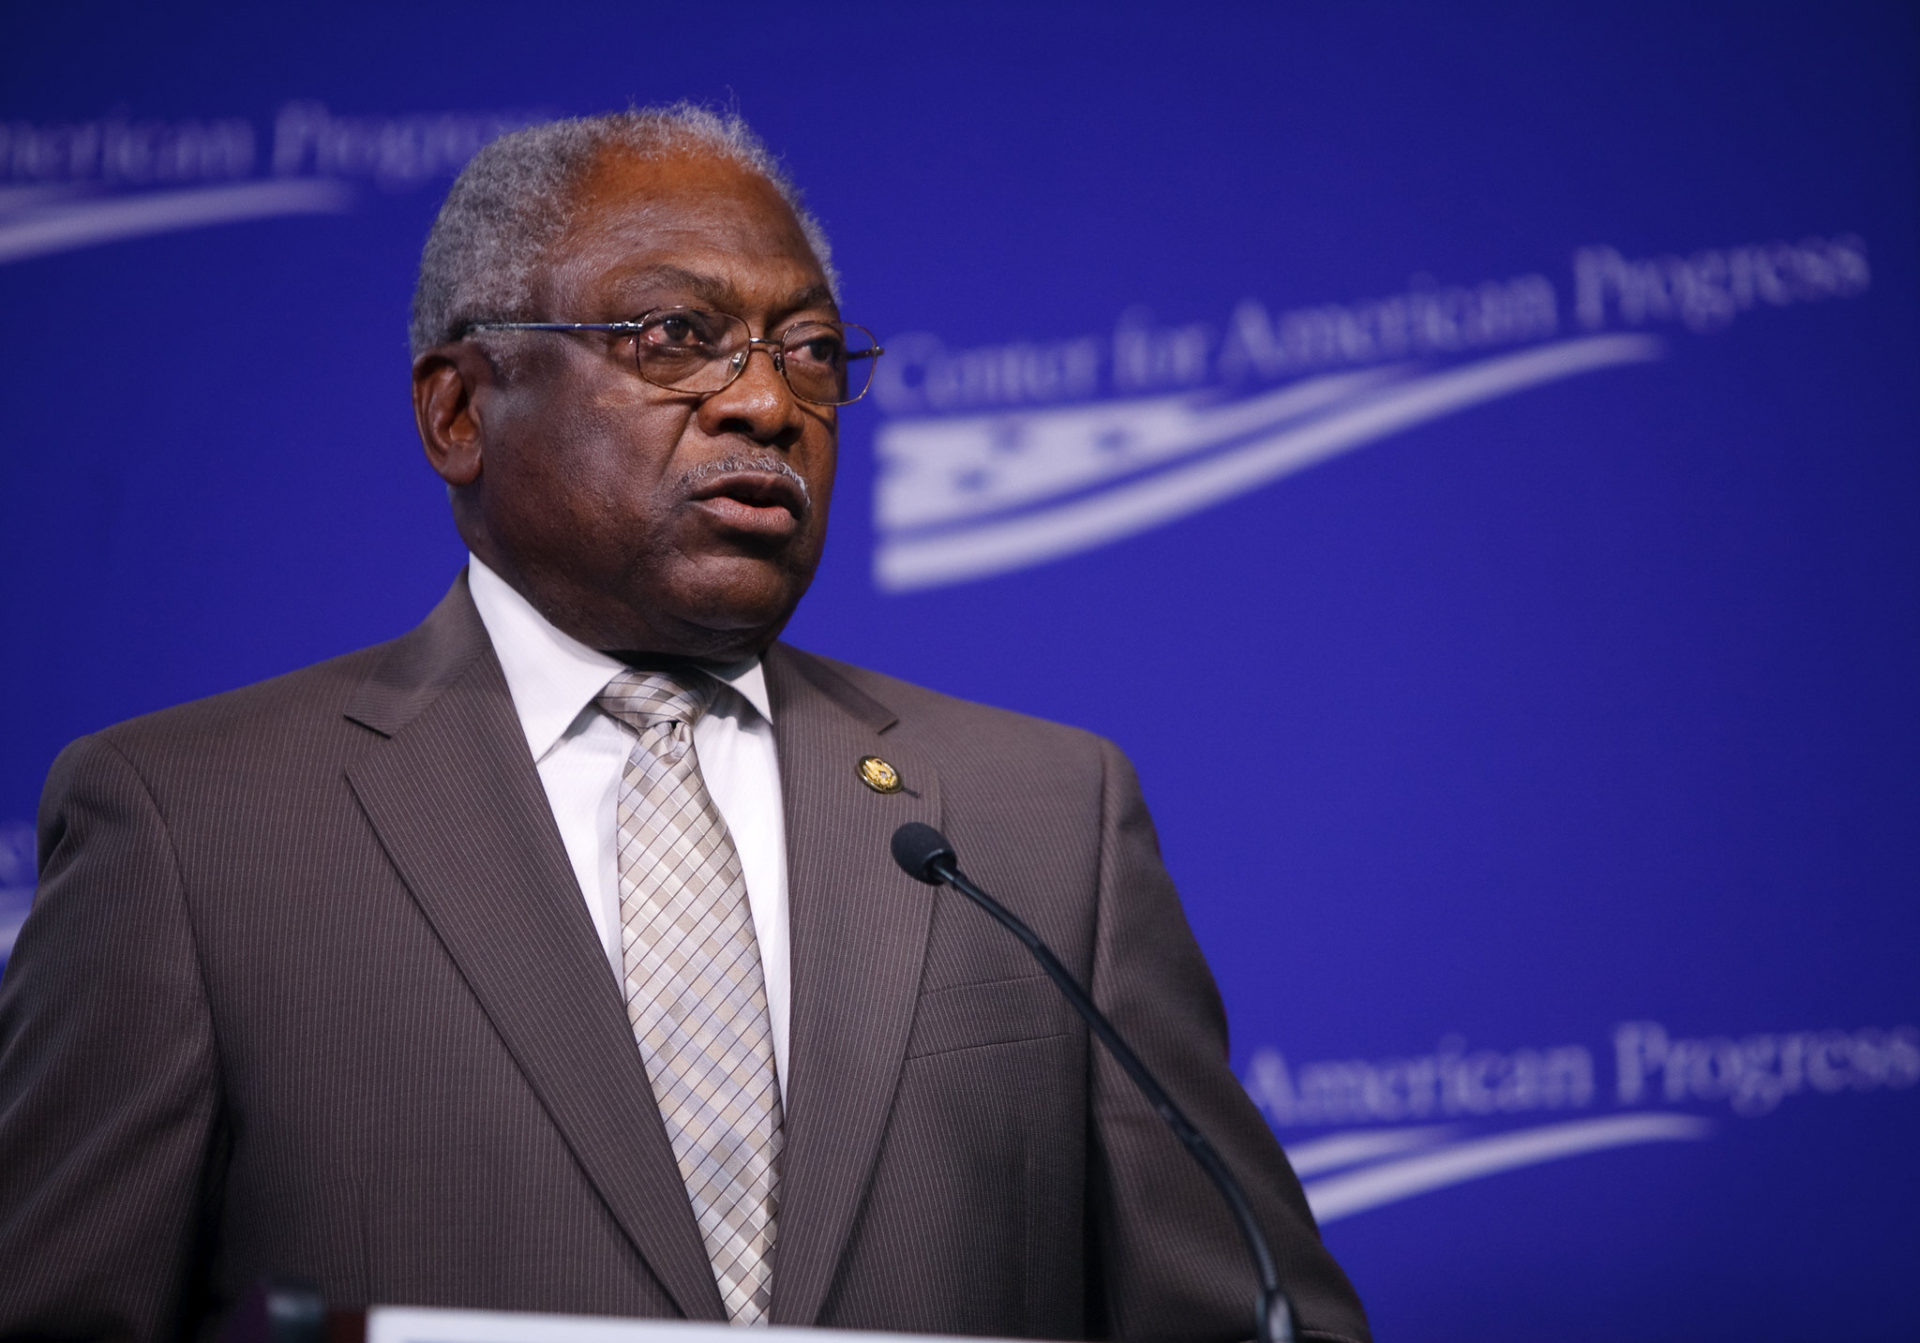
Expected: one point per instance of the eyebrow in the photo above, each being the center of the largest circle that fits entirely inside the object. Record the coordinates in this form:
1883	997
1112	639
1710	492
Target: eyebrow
719	294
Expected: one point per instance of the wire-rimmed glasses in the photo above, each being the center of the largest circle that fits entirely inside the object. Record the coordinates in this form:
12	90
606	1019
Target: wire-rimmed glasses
694	350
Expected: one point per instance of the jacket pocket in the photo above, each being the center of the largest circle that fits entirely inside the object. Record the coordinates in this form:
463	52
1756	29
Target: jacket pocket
965	1016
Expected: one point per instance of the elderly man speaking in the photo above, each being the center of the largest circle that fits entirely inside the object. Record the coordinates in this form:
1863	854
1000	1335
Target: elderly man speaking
549	957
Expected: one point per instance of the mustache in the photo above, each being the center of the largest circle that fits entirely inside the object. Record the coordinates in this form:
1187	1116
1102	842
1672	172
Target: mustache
766	463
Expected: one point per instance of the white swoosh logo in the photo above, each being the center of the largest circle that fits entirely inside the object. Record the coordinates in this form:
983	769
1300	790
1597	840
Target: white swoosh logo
1403	1177
1350	1149
1370	413
13	912
31	225
940	472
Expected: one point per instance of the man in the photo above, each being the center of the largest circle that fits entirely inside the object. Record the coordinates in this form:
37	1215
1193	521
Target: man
550	957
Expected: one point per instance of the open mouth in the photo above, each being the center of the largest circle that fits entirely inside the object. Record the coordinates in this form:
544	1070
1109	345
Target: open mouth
757	501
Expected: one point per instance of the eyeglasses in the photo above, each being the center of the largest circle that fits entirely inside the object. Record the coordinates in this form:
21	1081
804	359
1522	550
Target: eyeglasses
693	350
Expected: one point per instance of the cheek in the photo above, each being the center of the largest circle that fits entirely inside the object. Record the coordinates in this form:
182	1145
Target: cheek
579	496
823	461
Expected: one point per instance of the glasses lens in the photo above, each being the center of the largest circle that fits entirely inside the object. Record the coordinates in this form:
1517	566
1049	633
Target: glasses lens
688	349
829	363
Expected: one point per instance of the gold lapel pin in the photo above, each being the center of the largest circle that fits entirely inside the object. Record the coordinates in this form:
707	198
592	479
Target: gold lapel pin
878	775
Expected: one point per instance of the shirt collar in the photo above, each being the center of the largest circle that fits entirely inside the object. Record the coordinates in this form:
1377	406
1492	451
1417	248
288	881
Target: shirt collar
552	676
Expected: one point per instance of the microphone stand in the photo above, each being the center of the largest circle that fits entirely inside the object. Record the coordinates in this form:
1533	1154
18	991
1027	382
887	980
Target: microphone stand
926	856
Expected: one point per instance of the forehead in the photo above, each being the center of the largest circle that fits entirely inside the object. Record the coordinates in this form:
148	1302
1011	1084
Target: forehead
680	230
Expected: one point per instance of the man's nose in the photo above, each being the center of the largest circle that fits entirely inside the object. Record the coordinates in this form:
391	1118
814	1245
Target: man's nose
757	403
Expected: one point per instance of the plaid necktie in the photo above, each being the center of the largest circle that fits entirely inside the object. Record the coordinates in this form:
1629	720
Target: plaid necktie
695	995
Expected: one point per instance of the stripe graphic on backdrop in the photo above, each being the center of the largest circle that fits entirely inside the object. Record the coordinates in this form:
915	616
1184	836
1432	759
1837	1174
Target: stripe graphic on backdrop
961	499
1002	457
39	221
1375	1182
16	880
71	185
1746	1077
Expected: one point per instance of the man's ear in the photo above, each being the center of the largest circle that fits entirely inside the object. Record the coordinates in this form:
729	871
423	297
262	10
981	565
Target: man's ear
448	380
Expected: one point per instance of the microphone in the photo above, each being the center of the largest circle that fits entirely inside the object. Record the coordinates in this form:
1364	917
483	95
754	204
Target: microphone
925	855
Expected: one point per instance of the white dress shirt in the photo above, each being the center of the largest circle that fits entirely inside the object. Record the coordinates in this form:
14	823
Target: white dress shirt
581	754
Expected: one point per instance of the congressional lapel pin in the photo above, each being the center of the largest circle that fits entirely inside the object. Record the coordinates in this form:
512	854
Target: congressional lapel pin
878	775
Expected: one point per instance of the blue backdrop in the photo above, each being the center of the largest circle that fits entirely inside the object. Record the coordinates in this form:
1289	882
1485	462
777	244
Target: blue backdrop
1502	417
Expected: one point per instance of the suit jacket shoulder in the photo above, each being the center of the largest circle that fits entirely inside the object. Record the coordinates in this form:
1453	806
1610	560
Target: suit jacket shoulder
380	687
962	733
1050	818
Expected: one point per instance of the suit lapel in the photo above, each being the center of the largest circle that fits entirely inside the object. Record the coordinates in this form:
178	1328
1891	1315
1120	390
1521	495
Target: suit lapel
460	810
859	938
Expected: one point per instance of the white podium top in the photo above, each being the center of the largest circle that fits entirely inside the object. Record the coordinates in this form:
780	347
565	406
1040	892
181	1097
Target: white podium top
419	1324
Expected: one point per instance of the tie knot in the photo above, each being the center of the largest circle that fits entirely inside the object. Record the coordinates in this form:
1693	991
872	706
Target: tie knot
643	699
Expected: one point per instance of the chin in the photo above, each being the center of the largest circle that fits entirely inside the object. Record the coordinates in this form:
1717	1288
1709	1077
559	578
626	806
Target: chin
735	618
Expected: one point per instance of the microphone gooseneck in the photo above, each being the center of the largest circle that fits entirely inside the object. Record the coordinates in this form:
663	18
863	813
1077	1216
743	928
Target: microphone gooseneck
925	855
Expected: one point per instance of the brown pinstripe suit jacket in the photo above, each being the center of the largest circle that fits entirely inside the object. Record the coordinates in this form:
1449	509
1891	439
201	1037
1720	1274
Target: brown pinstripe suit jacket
309	988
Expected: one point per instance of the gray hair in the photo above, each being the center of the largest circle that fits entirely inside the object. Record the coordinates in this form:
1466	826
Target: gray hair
516	197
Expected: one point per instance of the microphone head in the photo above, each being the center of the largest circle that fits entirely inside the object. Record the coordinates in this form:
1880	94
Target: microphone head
919	848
